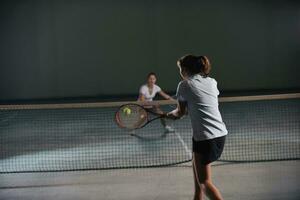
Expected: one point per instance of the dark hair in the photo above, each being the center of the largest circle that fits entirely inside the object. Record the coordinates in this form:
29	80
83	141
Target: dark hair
151	74
195	64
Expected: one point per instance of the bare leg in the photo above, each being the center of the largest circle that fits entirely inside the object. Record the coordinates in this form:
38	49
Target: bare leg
203	175
199	189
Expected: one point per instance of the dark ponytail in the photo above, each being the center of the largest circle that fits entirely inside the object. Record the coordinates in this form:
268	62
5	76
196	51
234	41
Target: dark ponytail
195	65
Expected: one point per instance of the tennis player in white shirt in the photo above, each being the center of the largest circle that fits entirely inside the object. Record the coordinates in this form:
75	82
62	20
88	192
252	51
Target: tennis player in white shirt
198	94
148	91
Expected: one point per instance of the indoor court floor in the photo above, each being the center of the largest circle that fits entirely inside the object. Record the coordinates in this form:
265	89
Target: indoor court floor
248	181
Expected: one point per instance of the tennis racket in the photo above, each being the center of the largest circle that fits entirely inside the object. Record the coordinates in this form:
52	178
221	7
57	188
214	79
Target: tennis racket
133	116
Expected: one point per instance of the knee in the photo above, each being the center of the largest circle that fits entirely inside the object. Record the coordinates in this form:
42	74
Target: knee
199	188
203	180
205	183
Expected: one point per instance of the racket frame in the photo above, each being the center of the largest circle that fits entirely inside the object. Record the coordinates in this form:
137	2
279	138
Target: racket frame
159	116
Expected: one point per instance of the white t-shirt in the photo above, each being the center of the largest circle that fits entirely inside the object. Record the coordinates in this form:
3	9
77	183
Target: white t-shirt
144	90
201	95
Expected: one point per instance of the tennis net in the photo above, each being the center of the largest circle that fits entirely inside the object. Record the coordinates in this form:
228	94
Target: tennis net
84	136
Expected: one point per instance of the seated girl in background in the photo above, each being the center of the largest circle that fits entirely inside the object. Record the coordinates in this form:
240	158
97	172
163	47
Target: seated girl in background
148	91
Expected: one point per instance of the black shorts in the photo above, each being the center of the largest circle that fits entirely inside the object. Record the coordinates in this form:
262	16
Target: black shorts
210	150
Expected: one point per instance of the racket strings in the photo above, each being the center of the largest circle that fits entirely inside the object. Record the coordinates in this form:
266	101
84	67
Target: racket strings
131	116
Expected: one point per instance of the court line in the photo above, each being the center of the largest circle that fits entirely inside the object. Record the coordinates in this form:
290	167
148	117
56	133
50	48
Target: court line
187	150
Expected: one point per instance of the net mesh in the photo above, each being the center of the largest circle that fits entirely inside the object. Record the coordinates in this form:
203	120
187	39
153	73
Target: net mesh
62	137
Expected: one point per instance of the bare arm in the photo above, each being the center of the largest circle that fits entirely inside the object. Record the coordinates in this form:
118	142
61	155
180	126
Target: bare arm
179	111
165	95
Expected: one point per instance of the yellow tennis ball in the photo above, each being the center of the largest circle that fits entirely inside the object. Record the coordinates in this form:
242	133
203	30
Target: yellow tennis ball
127	111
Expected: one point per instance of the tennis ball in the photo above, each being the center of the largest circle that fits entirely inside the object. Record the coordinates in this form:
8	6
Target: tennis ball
127	111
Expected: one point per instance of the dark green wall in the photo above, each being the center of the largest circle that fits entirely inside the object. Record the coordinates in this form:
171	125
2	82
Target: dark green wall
76	48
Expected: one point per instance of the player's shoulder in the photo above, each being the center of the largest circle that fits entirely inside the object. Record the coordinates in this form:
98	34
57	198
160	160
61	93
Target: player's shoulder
213	80
143	87
209	79
157	88
184	83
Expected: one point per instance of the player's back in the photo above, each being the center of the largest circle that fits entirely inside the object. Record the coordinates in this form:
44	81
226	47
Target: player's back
201	95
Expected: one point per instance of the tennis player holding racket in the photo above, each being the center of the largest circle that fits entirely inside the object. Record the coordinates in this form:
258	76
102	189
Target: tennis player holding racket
148	91
198	94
